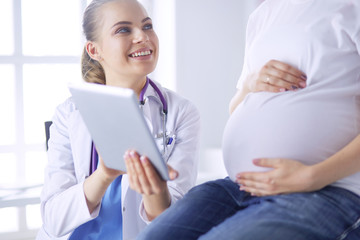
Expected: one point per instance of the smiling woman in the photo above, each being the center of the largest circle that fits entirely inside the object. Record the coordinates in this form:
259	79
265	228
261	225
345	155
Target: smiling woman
121	50
119	34
39	54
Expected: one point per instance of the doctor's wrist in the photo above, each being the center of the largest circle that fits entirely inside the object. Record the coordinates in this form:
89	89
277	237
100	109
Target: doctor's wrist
104	177
155	204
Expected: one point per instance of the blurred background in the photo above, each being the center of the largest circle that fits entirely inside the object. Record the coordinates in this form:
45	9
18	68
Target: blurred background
201	54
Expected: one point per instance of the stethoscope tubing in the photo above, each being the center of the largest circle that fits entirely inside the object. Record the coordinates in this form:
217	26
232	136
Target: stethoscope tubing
163	102
157	90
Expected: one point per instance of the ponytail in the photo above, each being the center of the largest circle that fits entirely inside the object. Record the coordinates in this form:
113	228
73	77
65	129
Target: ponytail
91	70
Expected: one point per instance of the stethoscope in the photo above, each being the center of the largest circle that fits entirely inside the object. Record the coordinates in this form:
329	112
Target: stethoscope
94	155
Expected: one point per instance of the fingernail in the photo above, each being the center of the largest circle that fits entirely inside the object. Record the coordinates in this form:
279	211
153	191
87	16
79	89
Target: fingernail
256	160
294	87
132	153
143	159
303	76
173	175
302	84
282	89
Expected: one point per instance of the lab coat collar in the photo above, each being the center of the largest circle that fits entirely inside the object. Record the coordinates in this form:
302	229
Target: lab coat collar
150	92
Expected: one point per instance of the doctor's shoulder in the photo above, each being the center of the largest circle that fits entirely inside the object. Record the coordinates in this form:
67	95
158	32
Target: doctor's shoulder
66	107
64	110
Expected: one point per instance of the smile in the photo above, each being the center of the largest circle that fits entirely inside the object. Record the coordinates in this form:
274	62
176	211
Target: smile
141	54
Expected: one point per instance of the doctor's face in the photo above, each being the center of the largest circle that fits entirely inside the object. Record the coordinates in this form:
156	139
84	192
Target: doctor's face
127	45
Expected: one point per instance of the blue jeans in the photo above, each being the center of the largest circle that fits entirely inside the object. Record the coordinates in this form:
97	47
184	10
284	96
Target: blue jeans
219	210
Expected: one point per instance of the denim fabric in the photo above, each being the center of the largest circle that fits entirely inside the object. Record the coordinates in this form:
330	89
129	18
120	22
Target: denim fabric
219	210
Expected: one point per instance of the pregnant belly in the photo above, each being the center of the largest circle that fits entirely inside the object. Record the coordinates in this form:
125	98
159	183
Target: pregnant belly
284	126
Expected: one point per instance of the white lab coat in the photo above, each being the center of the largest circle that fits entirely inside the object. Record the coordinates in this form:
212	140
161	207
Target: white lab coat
63	204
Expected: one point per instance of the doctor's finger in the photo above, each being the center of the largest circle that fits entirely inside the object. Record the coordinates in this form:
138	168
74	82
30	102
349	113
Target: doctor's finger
133	178
109	172
173	174
145	186
157	184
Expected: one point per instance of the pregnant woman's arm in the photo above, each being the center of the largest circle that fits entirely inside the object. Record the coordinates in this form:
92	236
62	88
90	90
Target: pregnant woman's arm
274	76
291	176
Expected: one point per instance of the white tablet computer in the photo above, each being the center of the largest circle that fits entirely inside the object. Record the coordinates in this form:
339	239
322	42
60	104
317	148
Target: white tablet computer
116	124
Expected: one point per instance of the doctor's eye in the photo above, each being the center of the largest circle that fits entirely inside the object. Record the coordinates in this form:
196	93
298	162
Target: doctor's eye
148	26
122	30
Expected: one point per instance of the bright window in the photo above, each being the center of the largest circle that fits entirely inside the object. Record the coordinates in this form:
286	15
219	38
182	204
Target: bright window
54	32
41	44
7	104
44	87
7	27
9	223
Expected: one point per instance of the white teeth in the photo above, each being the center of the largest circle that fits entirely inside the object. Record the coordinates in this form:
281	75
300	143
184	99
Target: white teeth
138	54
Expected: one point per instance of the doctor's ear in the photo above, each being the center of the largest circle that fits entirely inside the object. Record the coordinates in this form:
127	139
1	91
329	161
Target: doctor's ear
92	50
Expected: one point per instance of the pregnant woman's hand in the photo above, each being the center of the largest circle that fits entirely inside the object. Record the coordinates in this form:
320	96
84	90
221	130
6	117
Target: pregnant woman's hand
286	176
276	76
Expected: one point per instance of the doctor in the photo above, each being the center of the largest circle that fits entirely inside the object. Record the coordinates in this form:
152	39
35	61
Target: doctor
78	202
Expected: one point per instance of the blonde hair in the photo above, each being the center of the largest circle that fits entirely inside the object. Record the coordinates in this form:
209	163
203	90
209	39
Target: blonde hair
91	70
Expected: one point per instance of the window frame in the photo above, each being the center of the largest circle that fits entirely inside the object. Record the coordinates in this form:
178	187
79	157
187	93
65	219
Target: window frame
24	195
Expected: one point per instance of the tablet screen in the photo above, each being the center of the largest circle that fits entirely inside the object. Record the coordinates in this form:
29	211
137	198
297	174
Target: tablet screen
116	124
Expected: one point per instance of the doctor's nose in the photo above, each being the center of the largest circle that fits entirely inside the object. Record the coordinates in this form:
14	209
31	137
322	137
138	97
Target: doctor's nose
140	36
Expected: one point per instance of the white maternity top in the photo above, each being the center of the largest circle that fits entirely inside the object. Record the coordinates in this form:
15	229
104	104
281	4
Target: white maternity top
322	39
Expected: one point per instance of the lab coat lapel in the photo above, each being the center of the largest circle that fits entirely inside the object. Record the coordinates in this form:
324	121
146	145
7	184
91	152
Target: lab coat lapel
81	145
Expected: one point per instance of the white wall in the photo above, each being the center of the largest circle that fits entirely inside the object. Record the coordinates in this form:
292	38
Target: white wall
201	57
209	47
210	37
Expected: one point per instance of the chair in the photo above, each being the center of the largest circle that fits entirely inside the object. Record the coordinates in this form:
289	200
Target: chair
47	132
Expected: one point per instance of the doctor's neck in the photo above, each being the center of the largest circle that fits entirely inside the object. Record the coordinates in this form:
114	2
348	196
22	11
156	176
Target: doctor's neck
135	84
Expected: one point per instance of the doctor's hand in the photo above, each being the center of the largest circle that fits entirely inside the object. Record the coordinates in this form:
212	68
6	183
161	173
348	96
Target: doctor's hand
276	76
96	184
143	178
286	176
108	173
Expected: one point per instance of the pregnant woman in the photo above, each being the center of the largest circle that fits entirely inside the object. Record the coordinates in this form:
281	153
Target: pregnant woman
292	145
